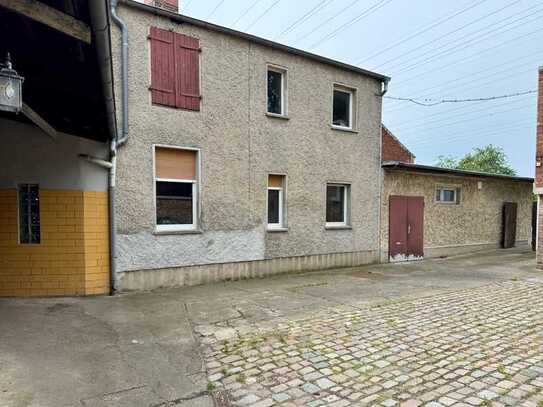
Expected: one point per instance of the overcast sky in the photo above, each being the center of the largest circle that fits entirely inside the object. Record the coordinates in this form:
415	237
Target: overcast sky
432	50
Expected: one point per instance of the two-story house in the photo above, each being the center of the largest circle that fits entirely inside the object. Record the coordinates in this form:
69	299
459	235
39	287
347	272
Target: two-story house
244	157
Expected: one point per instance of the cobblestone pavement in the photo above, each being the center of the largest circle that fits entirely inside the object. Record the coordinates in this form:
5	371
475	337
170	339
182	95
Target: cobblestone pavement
473	347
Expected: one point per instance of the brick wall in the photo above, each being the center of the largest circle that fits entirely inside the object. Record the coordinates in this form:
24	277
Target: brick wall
539	135
170	5
72	258
393	150
539	170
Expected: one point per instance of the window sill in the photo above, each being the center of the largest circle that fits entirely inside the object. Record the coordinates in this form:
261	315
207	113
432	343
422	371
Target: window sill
177	232
337	128
277	230
277	116
343	227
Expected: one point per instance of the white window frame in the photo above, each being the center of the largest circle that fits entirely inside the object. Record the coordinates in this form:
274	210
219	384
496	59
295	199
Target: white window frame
350	92
442	188
346	196
283	72
195	192
281	224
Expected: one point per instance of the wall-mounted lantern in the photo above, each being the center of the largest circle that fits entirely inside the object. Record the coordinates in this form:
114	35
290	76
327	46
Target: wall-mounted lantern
11	85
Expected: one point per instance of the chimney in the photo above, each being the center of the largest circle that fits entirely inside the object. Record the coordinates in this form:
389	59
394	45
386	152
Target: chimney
539	132
170	5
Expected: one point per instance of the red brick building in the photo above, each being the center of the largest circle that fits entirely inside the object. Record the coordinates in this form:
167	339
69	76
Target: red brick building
394	150
538	188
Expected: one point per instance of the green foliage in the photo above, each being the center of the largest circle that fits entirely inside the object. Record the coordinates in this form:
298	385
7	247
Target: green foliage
491	159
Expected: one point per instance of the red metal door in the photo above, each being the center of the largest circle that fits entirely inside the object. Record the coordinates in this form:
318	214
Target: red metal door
415	227
406	228
397	235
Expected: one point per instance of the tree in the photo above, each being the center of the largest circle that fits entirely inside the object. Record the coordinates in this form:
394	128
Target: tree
491	159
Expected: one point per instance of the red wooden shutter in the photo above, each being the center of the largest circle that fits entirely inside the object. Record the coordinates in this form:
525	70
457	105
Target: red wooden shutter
162	67
187	72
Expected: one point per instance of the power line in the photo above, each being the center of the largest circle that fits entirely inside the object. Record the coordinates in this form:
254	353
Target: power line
477	55
215	9
486	72
367	12
449	116
431	26
431	102
432	142
466	120
247	10
443	137
187	4
435	40
327	21
470	42
314	10
262	15
478	86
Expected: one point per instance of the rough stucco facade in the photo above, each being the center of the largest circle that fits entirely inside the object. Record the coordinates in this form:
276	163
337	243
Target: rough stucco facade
474	224
239	146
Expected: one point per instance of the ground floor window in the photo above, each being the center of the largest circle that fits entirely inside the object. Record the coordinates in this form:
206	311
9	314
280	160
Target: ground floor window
276	197
29	214
449	195
337	204
176	188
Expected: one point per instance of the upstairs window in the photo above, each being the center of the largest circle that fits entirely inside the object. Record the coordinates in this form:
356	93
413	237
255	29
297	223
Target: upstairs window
29	214
342	116
276	91
176	189
175	69
448	195
276	197
337	204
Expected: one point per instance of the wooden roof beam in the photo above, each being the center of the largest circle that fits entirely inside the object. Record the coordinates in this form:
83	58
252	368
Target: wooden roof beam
51	17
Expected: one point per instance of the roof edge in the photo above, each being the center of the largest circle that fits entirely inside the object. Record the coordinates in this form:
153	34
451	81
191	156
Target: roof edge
400	166
253	38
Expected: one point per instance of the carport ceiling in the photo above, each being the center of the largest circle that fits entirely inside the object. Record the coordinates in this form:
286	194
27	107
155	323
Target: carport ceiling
62	78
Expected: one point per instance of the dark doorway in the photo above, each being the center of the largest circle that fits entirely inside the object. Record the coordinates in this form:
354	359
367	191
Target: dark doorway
406	228
534	226
509	229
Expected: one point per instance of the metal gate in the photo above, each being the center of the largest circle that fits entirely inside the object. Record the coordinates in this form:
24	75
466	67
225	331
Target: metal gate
406	228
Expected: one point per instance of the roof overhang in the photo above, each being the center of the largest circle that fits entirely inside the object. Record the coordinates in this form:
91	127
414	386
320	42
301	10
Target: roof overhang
426	169
53	45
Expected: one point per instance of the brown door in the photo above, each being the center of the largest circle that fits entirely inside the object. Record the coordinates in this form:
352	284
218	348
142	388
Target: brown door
509	228
406	228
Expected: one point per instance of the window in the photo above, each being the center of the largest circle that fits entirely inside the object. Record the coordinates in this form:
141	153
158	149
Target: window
276	196
337	198
175	69
176	189
448	195
342	115
29	214
276	91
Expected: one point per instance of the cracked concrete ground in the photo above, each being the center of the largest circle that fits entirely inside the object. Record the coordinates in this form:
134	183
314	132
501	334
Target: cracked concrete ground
144	349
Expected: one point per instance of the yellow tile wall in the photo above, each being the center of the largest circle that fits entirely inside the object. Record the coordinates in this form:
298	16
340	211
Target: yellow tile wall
73	256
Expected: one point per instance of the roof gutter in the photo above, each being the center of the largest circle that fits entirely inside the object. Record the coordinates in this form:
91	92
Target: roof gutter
124	72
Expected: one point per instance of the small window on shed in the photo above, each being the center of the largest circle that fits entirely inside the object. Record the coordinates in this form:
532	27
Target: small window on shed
448	195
